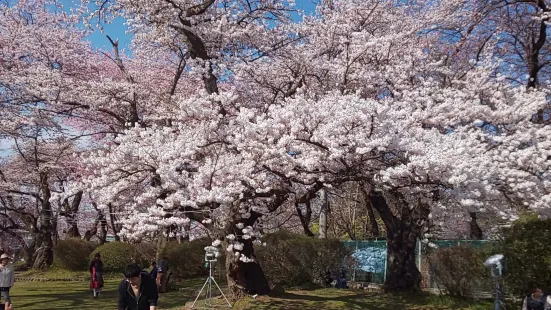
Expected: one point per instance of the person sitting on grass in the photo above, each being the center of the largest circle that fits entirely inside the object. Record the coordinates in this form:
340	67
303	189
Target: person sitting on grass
138	291
537	301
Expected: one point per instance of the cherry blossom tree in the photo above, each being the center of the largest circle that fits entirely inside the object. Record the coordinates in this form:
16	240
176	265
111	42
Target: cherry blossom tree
229	113
353	93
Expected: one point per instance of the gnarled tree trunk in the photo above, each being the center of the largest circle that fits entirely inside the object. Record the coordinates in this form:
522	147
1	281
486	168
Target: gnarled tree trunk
44	255
402	235
244	278
70	213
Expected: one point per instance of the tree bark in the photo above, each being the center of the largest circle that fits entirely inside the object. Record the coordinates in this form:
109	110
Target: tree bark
323	214
45	255
476	232
305	218
70	213
114	226
244	278
373	225
402	235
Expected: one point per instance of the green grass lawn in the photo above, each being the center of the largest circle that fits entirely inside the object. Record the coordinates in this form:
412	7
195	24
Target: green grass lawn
75	295
352	299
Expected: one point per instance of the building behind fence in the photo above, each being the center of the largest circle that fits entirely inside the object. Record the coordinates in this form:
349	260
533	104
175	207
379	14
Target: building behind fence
370	257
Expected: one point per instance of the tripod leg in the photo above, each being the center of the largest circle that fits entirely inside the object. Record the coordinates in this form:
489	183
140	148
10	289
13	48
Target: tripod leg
209	293
199	293
229	304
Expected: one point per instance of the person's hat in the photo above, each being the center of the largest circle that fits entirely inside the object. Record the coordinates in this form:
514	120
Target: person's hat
4	256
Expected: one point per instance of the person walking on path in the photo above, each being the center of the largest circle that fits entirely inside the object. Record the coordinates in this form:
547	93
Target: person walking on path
96	275
7	277
138	291
537	301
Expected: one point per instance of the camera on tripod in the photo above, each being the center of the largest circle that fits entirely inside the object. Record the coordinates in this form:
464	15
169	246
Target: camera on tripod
211	254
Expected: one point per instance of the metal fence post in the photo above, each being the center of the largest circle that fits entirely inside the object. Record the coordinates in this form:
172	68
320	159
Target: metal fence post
386	260
355	266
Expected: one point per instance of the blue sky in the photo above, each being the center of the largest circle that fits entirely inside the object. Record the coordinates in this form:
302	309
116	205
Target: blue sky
117	30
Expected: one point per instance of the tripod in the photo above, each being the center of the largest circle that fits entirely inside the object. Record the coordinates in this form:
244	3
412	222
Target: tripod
496	274
208	292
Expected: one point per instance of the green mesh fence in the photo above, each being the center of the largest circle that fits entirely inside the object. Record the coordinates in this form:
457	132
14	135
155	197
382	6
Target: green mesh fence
370	259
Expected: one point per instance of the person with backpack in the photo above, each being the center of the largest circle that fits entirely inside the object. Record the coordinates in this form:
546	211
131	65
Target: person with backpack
138	291
537	301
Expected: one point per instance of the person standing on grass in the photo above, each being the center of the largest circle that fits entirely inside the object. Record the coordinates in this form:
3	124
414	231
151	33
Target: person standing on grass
162	275
537	301
154	270
96	274
138	291
7	277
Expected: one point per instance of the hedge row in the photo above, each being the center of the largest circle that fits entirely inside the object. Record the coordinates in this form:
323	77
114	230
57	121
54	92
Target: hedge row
296	260
526	263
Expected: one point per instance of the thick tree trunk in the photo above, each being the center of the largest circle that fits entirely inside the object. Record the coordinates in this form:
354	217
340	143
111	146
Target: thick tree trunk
28	255
402	271
44	256
244	278
402	235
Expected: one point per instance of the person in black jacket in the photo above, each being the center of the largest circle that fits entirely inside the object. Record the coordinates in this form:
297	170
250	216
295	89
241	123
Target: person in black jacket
138	291
96	273
154	271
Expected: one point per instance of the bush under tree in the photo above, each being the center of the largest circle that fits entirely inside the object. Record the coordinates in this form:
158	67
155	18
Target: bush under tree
116	255
527	260
73	254
460	270
294	260
186	259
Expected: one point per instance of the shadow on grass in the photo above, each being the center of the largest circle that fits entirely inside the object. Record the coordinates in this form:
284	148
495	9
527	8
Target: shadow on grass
74	295
350	299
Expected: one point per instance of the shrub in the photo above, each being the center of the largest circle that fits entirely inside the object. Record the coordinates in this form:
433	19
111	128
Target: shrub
298	260
186	259
459	270
148	252
73	254
116	255
20	266
527	255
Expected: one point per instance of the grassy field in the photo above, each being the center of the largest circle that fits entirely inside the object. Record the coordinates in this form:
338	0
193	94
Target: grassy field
75	295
